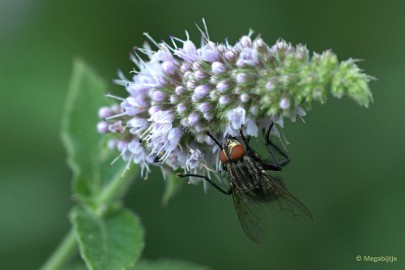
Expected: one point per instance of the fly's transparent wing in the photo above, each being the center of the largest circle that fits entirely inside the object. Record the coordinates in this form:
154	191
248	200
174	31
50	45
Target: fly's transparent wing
283	201
252	217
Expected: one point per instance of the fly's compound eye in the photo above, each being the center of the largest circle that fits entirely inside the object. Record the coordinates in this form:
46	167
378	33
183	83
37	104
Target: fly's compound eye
222	156
237	152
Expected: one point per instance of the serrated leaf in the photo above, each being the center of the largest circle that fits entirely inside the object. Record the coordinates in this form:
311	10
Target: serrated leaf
173	185
79	133
114	241
167	264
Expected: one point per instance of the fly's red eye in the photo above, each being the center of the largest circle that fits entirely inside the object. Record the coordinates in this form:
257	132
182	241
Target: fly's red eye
237	152
222	156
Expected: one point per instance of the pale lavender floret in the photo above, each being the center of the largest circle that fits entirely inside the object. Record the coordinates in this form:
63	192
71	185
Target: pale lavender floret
102	127
195	158
199	75
188	53
218	67
284	102
253	110
223	100
104	112
230	56
153	109
173	139
222	86
158	96
208	116
251	127
270	85
245	41
134	105
135	147
244	97
208	52
179	90
184	68
181	108
190	85
236	117
200	92
173	99
169	67
196	66
193	118
241	77
116	127
137	125
248	56
205	107
111	144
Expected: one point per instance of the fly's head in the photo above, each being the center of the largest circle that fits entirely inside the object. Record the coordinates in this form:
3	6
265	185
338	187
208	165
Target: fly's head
232	150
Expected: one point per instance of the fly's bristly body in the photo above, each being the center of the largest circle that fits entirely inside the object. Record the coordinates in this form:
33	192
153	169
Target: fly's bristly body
252	187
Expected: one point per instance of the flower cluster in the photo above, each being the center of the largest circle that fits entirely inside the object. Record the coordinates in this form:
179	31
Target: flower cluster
181	89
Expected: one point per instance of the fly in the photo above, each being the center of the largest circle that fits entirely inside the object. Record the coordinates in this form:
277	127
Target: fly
252	187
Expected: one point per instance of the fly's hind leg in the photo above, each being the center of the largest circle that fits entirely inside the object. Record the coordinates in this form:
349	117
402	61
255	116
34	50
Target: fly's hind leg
226	192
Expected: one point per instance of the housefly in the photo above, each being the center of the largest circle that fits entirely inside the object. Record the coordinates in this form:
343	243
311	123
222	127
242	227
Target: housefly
252	187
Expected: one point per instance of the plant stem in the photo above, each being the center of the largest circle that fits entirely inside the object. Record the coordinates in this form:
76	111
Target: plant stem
66	249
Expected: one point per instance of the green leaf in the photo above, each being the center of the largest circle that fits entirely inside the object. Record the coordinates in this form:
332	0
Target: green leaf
114	241
79	133
167	264
173	184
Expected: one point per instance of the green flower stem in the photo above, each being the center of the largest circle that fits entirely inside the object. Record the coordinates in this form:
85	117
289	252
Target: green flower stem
66	250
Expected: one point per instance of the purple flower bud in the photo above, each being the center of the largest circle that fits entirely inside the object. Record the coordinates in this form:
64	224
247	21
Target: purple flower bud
208	116
181	108
169	67
184	68
260	43
213	79
241	77
218	67
154	109
208	53
244	97
199	75
104	112
245	41
270	85
205	107
188	53
196	66
158	96
200	92
190	85
193	118
173	99
222	86
223	100
102	127
284	102
221	48
230	56
179	90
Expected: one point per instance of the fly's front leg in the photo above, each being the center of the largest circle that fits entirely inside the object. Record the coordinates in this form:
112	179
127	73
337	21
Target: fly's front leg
277	166
228	192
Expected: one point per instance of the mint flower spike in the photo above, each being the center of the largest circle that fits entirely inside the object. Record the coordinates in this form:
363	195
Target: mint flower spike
179	90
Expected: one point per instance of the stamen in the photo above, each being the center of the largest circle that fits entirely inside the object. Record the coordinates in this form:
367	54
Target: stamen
107	94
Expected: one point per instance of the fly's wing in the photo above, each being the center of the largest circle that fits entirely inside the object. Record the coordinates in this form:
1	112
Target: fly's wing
252	217
283	201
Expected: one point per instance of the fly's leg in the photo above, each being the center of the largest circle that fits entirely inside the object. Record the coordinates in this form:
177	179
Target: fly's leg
278	165
228	192
251	153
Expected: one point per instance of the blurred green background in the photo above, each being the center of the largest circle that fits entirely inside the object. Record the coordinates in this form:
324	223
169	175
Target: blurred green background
347	162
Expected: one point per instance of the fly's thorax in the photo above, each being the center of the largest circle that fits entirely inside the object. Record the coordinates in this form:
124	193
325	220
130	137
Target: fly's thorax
233	150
